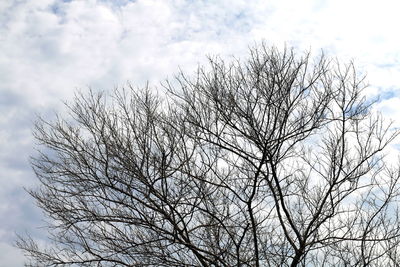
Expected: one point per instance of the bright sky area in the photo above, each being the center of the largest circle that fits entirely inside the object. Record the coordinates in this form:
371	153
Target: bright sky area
51	48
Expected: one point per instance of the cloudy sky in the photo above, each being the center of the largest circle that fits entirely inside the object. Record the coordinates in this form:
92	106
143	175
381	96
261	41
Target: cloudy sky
51	48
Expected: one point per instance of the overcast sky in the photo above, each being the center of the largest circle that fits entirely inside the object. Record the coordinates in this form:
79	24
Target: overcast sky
51	48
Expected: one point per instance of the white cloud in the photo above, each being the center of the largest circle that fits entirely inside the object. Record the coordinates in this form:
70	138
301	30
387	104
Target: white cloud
51	47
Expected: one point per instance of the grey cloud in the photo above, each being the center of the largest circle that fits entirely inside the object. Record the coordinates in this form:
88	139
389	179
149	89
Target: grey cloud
51	47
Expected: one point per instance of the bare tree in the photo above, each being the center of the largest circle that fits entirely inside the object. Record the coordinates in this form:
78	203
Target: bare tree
277	161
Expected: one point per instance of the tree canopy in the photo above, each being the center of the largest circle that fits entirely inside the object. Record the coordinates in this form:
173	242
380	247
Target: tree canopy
277	160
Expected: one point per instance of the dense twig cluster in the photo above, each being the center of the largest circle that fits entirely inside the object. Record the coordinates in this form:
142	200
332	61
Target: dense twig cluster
273	162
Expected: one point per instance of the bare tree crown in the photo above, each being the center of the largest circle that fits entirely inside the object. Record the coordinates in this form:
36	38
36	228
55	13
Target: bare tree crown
275	161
